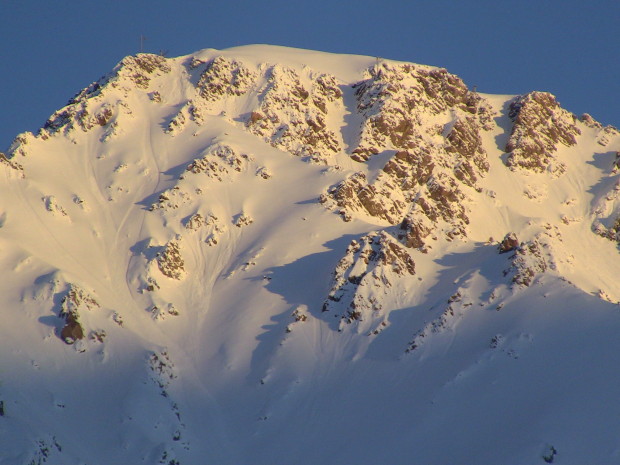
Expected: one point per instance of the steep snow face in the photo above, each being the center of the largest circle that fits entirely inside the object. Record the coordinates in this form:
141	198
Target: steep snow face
234	256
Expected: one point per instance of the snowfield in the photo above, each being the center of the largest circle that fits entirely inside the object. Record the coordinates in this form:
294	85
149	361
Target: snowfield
265	255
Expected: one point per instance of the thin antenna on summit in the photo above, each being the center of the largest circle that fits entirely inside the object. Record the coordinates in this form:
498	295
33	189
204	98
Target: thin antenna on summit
142	39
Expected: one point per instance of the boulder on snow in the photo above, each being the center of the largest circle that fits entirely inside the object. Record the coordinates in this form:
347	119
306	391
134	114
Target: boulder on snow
72	331
509	243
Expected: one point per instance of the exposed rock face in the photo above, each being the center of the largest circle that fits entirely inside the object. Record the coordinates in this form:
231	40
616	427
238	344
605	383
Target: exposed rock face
539	125
397	100
414	189
293	115
465	143
87	110
219	161
612	233
75	301
534	257
291	109
10	163
434	123
223	78
509	243
163	371
170	261
72	331
365	273
141	68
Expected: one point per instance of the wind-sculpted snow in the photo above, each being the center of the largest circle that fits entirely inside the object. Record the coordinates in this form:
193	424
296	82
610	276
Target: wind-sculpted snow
233	256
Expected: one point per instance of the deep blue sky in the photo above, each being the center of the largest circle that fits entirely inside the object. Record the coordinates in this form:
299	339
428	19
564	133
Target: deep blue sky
49	50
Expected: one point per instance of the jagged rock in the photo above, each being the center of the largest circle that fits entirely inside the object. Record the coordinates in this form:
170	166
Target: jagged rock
509	243
426	177
163	371
20	146
416	230
72	331
225	78
243	220
170	261
218	161
368	268
590	122
540	124
4	160
394	99
75	299
293	117
141	68
606	134
612	232
155	96
72	303
195	222
98	336
464	139
86	110
458	304
528	261
408	186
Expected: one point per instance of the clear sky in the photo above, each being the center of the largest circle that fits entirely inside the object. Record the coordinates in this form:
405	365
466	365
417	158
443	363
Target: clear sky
49	50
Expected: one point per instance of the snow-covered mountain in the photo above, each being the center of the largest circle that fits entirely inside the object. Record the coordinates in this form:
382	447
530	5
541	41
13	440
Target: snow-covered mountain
265	255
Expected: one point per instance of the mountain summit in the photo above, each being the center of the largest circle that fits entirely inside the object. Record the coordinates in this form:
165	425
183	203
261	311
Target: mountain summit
276	256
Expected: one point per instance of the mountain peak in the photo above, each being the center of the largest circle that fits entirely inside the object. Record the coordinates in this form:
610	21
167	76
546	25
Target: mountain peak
222	253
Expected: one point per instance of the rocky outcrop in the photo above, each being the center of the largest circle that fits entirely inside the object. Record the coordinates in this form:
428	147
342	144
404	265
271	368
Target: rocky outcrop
366	272
75	301
292	115
403	104
509	243
223	78
87	110
291	109
414	189
434	124
529	260
218	162
464	141
170	262
540	124
141	68
209	226
612	232
4	160
457	306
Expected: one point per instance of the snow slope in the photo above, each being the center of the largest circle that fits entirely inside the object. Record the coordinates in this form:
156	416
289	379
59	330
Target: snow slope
271	256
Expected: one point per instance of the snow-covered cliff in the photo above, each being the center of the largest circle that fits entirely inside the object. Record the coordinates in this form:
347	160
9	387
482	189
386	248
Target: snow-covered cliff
268	255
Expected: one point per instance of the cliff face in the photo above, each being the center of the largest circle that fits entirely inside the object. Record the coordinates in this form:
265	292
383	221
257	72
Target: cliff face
233	250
